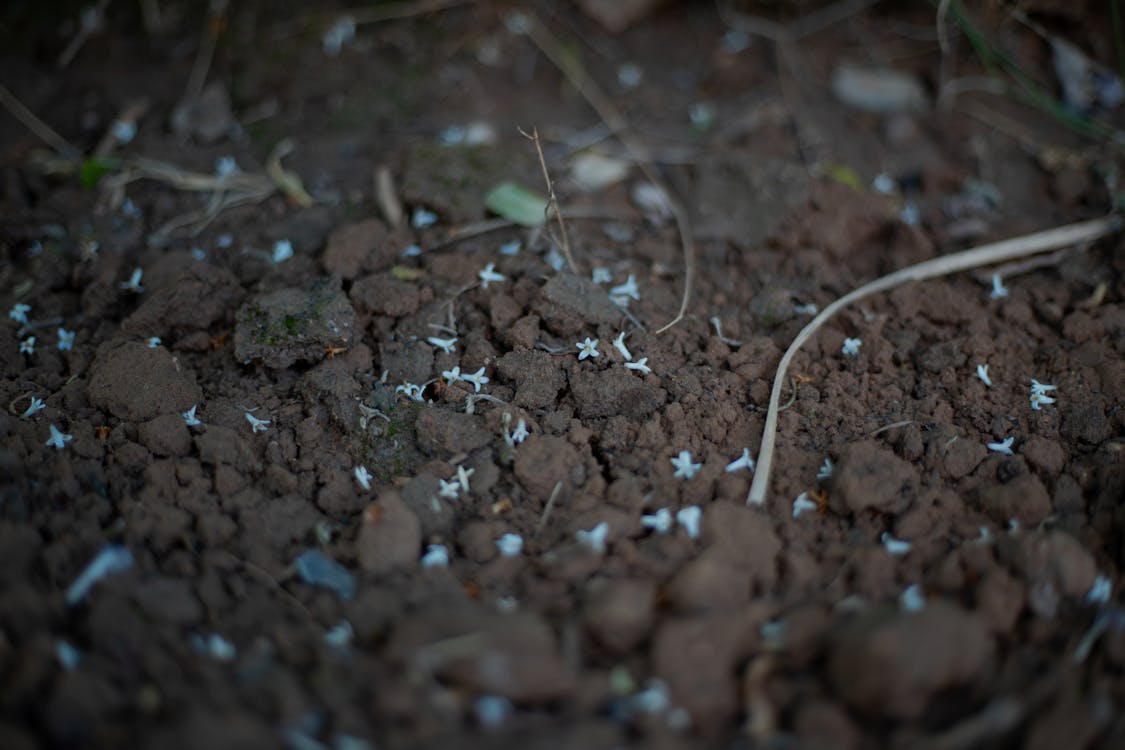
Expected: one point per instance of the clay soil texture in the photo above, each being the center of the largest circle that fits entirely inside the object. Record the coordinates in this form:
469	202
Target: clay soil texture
282	467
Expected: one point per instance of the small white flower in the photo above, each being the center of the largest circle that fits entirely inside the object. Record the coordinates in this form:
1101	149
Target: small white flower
517	435
601	276
851	347
803	505
588	348
340	635
337	35
660	522
894	546
1039	394
34	408
982	373
685	469
809	309
446	345
489	275
27	346
19	312
654	699
510	545
1004	446
476	378
189	417
628	289
282	251
555	259
225	166
619	342
363	476
411	251
412	391
134	283
421	218
66	339
123	131
595	538
450	489
153	342
492	710
452	376
437	556
215	646
1037	387
463	477
511	248
58	439
689	518
130	210
224	240
912	599
742	462
1013	526
257	425
641	365
1100	592
825	469
999	291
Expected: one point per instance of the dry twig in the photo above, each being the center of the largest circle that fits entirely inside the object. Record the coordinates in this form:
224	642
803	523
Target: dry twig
552	200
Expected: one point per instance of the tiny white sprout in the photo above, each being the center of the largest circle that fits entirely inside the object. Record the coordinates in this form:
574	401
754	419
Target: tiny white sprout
58	439
340	635
718	324
437	556
685	469
660	522
66	339
588	348
189	416
809	309
511	248
476	378
450	489
282	251
19	312
225	166
689	518
446	345
363	476
1100	592
912	599
826	468
35	407
982	373
601	275
619	343
490	275
742	462
463	477
555	259
27	346
134	283
452	376
595	538
123	131
999	291
411	391
894	546
153	342
257	425
1004	446
641	365
492	711
803	505
628	289
510	545
850	347
420	218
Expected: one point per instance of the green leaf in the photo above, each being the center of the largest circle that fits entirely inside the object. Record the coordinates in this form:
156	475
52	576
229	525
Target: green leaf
92	171
517	204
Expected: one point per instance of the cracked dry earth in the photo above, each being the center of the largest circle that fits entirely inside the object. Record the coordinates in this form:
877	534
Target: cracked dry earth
919	590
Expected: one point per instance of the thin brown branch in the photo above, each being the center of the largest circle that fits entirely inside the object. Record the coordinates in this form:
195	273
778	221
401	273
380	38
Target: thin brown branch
552	199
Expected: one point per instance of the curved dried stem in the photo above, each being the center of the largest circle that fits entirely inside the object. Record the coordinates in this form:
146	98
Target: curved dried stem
997	252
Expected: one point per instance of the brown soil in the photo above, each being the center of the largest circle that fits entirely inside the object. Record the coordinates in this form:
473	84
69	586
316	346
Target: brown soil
272	600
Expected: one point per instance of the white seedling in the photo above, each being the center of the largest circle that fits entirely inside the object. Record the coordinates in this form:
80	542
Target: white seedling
619	343
510	545
641	365
982	373
33	408
1100	592
58	439
153	342
452	376
477	378
489	276
257	425
511	248
27	346
437	556
282	251
742	462
66	339
446	345
363	476
825	471
595	538
1004	446
411	390
134	283
912	599
420	218
628	289
685	469
851	347
689	519
999	291
109	560
189	416
588	348
803	505
19	312
894	546
601	276
660	522
719	333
